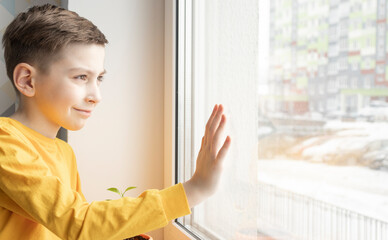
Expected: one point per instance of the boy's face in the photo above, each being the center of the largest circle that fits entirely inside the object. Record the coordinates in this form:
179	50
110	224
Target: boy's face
67	94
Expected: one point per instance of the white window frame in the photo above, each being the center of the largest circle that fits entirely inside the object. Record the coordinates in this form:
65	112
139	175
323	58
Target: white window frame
178	95
174	230
171	231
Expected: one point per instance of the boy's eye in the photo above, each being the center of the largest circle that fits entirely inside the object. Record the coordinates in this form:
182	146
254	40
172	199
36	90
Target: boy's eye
82	77
100	78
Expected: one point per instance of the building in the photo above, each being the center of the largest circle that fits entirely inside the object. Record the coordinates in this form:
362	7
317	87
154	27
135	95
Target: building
327	56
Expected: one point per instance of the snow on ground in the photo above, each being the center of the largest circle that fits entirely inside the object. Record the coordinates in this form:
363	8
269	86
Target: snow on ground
356	188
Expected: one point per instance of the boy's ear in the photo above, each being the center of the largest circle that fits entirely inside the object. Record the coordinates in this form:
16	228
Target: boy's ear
23	77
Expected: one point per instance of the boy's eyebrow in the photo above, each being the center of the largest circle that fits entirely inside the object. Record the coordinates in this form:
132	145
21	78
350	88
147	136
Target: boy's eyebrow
87	70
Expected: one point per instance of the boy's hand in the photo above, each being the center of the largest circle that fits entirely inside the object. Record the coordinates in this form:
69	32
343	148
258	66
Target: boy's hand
210	158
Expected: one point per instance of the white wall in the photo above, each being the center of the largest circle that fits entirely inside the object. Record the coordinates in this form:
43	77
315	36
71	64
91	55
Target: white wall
122	143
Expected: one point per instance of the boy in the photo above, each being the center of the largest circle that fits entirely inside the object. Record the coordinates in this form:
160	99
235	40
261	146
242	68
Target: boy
55	59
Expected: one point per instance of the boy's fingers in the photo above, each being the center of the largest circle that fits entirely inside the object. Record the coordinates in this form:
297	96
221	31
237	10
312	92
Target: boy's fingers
220	129
209	122
216	121
222	153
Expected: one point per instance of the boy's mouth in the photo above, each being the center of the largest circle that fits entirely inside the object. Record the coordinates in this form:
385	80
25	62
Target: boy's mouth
84	112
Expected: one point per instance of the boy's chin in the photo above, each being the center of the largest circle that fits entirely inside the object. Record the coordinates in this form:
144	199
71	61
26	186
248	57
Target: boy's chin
74	127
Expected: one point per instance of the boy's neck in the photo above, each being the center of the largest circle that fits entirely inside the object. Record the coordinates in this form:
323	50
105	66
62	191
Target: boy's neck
35	122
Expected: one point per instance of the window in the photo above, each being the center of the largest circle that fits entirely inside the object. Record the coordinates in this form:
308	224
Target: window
218	63
308	161
354	82
343	81
343	44
380	69
368	82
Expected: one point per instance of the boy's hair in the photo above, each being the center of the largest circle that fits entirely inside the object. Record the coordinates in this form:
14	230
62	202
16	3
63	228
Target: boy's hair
38	35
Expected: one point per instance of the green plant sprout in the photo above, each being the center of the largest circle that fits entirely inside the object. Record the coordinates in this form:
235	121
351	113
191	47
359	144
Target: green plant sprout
115	190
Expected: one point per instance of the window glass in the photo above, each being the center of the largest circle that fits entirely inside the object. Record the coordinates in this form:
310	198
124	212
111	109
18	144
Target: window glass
305	88
222	69
322	172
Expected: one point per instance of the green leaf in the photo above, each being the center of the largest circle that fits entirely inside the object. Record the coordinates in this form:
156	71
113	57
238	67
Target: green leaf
115	190
129	188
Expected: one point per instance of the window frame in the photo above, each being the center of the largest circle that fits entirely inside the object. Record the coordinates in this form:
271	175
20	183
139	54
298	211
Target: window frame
173	230
178	65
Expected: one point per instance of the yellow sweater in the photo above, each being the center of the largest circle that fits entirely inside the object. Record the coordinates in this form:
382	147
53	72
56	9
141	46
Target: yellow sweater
41	198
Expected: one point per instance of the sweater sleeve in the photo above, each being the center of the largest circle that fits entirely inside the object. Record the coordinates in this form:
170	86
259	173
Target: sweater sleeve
27	181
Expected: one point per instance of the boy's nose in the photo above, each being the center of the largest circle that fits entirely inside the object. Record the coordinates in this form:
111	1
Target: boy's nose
93	99
94	95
